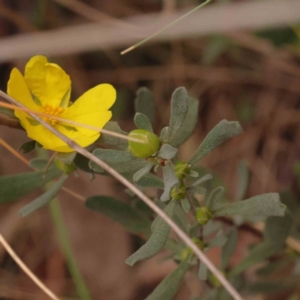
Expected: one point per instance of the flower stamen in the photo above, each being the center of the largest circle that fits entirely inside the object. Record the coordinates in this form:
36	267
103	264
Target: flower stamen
54	111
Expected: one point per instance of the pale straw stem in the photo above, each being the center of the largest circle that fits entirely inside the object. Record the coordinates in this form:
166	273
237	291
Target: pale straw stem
26	270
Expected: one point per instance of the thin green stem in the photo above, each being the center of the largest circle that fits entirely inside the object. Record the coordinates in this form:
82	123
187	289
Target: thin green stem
65	243
66	247
164	28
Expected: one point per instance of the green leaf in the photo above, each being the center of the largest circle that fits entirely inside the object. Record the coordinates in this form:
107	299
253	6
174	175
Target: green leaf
143	171
144	103
179	217
189	124
273	266
277	229
211	227
66	158
266	287
121	161
197	190
202	271
186	206
218	241
202	179
229	248
258	254
164	134
12	187
41	164
119	212
8	112
151	180
215	199
222	132
243	180
179	109
82	163
45	198
142	122
170	180
167	151
110	140
28	147
262	205
157	240
167	289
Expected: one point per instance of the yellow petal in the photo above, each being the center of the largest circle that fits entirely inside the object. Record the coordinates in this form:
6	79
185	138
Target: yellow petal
92	108
17	89
47	81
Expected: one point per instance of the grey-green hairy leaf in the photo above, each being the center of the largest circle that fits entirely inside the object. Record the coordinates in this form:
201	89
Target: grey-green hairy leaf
142	122
45	198
222	132
189	123
202	179
262	205
186	206
167	289
277	229
144	103
215	199
119	212
179	109
218	241
12	187
202	271
229	248
258	254
167	151
143	171
66	158
197	190
243	180
121	161
107	139
157	240
164	134
170	180
151	180
40	164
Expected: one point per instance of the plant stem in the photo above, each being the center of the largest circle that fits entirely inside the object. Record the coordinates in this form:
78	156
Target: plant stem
66	247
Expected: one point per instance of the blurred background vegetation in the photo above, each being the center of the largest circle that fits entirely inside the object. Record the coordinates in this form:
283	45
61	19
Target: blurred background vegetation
252	76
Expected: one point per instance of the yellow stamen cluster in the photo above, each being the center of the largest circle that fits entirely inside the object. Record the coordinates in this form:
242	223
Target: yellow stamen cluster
54	111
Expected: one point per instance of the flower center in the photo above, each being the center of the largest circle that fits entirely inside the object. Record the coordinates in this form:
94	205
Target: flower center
53	111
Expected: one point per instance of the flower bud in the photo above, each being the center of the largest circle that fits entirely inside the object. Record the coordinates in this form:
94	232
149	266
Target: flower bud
148	146
178	192
182	169
67	168
203	215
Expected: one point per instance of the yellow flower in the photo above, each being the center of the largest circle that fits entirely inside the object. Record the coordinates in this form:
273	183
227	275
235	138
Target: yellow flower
46	88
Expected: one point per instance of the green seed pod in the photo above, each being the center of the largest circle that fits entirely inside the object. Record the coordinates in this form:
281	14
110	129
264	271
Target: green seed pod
65	167
149	146
179	192
182	169
203	215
